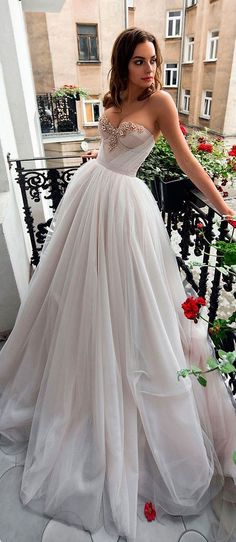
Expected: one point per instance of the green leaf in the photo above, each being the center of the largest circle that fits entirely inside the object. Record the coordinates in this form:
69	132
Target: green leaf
231	357
232	318
212	363
223	271
196	370
222	353
234	457
226	368
183	373
202	381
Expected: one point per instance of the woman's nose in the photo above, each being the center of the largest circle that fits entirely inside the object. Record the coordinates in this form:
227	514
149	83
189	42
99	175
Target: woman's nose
148	67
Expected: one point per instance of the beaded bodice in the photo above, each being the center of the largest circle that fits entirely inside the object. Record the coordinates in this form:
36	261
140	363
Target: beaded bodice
125	147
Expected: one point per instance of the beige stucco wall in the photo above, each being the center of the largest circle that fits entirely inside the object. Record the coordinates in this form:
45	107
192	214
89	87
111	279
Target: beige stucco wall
215	76
62	66
40	52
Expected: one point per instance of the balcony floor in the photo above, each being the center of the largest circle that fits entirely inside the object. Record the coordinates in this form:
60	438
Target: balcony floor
20	524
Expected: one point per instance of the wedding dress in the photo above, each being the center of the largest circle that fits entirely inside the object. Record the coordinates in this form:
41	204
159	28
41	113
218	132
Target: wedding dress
88	376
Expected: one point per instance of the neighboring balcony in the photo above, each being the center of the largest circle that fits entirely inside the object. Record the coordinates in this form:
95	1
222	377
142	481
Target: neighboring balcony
58	118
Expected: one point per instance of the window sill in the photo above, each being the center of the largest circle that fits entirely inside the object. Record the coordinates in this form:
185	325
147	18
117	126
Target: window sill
191	7
170	86
187	63
90	124
88	62
204	117
184	112
209	61
173	37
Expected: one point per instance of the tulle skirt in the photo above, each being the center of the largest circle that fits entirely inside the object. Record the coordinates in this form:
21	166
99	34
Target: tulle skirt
88	376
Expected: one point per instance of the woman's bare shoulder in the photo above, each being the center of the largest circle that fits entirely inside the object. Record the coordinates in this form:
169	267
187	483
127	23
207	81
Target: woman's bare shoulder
161	98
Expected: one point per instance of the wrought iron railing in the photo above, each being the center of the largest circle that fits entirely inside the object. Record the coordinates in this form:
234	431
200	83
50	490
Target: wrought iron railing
57	114
51	183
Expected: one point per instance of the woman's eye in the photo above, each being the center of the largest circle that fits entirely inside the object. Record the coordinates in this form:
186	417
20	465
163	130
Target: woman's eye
153	60
138	62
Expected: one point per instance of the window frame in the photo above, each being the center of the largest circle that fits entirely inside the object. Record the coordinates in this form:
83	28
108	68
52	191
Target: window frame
190	3
205	99
88	35
168	18
172	70
189	46
93	101
187	96
215	41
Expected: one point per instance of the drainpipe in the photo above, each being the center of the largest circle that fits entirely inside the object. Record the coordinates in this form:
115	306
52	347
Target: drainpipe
126	13
181	55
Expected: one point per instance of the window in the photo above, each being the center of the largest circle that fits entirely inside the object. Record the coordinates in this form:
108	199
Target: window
173	24
190	3
87	42
171	75
91	111
206	104
185	100
212	45
189	49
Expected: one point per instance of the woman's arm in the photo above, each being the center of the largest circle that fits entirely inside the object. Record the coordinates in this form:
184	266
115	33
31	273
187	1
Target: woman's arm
90	154
168	121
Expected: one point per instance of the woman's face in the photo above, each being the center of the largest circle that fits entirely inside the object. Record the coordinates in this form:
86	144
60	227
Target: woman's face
142	65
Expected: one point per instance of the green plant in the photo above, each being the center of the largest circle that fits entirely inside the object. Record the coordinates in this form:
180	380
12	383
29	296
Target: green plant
211	152
161	161
213	155
71	91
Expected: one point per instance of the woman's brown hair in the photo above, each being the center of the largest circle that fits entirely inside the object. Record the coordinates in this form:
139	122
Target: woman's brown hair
122	52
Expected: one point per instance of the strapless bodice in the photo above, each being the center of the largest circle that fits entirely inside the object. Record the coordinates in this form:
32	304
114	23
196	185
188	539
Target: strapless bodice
124	148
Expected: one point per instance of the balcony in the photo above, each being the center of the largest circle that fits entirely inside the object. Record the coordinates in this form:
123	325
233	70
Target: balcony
58	118
51	183
50	6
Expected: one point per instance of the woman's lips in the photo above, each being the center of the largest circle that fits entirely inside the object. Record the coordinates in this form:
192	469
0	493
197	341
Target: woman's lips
147	78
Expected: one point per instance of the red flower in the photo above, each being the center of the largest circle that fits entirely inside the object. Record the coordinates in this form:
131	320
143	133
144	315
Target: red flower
205	147
232	151
149	511
192	307
232	223
183	129
199	225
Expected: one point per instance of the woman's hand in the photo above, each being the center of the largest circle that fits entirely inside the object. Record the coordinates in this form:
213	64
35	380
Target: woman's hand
90	154
231	217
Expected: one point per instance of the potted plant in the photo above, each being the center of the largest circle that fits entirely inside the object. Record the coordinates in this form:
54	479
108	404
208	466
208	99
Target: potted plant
169	185
70	91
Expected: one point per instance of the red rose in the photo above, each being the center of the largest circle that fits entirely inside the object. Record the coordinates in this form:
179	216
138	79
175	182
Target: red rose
232	222
149	511
199	225
232	152
192	307
183	129
205	147
201	301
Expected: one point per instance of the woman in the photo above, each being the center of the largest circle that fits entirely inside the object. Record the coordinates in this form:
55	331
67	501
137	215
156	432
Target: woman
88	375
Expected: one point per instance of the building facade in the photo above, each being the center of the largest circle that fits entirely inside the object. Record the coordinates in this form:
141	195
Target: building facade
197	40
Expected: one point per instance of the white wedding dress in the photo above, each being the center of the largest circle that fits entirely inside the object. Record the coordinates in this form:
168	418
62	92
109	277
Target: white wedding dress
88	376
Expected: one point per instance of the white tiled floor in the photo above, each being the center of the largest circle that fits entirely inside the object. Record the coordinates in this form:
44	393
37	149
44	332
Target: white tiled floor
19	524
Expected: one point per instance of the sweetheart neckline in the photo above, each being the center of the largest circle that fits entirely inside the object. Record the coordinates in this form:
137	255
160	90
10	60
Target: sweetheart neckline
123	121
